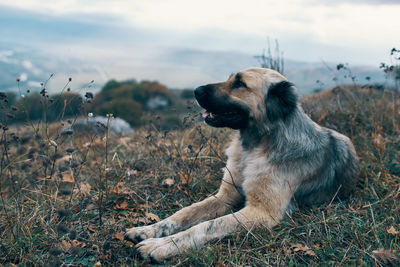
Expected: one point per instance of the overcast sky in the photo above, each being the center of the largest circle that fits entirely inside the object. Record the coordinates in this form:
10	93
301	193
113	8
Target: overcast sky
354	31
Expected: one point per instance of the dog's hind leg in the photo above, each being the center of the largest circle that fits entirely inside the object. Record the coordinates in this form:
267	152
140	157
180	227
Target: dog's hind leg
214	206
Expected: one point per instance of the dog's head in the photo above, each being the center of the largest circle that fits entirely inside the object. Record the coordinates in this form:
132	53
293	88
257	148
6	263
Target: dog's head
250	97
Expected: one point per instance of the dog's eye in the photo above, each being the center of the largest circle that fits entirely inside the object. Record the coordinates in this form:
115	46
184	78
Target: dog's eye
238	84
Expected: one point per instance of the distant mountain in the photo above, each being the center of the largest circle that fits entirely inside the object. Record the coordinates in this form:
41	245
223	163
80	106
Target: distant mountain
33	66
177	68
215	66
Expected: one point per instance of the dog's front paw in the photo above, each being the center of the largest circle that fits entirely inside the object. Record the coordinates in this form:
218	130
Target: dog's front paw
156	249
163	228
137	234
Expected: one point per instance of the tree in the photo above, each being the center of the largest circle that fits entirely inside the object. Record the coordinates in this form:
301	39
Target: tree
124	108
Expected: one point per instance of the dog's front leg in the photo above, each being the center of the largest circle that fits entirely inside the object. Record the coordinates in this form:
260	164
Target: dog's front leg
211	207
158	249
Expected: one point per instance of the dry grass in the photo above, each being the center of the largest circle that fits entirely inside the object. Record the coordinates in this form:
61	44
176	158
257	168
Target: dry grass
66	201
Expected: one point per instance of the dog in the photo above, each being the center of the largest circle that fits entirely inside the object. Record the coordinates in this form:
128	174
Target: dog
278	159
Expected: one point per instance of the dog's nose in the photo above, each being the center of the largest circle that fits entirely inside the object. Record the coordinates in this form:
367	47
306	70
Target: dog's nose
200	91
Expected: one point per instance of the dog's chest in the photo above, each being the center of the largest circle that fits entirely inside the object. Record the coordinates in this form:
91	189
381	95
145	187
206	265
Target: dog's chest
248	165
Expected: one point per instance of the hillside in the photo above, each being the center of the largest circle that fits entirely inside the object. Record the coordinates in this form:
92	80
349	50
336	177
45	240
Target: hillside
176	68
70	198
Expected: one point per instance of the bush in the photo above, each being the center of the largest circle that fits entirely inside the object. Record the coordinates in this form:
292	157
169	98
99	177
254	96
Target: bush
139	92
65	105
59	106
29	108
124	108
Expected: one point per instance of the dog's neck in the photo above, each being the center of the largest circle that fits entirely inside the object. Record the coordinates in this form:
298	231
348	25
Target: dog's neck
250	138
282	135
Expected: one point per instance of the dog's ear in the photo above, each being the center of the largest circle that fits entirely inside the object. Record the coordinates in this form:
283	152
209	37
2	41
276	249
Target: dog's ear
280	100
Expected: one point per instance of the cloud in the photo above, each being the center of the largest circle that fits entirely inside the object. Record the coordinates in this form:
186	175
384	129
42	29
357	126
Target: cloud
306	29
27	64
34	84
6	57
368	2
23	77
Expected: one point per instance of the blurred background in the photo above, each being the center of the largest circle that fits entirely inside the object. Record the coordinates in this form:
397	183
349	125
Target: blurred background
141	60
183	44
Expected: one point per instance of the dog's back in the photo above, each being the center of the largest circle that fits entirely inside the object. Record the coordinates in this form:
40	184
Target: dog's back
337	174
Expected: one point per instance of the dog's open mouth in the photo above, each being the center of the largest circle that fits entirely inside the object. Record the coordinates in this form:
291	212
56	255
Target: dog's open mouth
210	115
233	119
223	112
206	114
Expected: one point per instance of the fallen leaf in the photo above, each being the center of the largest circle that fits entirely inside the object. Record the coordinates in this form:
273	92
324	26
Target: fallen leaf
65	245
185	178
120	188
119	236
168	182
145	206
76	243
301	248
386	256
392	231
125	141
97	142
40	178
85	189
53	143
97	264
91	228
379	141
122	206
106	255
142	220
68	178
152	216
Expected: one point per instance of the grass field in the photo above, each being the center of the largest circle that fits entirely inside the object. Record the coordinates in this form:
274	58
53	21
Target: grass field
66	200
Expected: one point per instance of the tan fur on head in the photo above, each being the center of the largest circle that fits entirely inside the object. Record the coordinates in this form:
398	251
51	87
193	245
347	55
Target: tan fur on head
278	156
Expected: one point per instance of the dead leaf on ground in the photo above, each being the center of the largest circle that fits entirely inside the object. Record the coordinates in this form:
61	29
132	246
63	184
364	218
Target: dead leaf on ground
119	236
122	206
302	248
120	188
168	182
65	245
145	206
392	231
185	178
379	141
125	141
91	228
98	142
77	243
152	216
142	220
68	178
85	189
386	256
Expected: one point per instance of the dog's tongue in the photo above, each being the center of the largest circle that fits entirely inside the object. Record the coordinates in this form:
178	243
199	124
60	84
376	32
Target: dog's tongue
205	114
